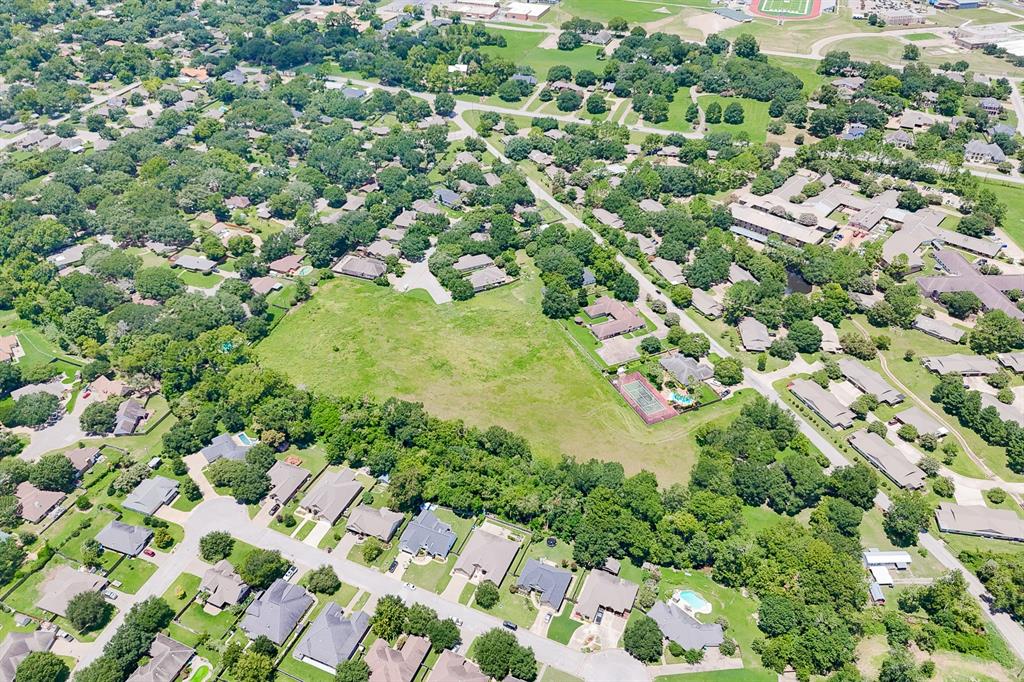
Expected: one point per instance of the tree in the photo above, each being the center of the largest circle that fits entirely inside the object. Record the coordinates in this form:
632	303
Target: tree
626	288
960	304
898	666
216	545
857	484
487	594
444	104
32	410
353	670
323	580
54	472
713	113
729	371
911	53
444	634
805	335
559	300
253	666
906	517
996	332
261	567
372	549
568	100
42	666
11	557
746	46
569	40
389	619
88	611
158	283
643	639
733	113
99	417
499	654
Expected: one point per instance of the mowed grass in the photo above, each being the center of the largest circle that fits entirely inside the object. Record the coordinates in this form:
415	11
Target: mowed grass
785	8
755	116
522	48
1013	197
633	12
915	37
492	360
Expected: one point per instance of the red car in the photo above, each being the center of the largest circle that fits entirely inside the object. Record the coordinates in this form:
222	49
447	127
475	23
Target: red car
148	552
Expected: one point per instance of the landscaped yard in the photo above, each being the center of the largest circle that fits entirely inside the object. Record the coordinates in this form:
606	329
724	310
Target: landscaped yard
514	607
132	574
562	626
199	621
187	585
521	47
433	576
515	368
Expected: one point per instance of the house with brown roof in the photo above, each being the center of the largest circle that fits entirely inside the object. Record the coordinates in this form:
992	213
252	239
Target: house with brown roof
286	265
367	521
62	584
604	591
10	349
331	495
36	504
103	388
83	458
451	667
285	481
396	665
486	556
18	645
360	266
223	586
621	319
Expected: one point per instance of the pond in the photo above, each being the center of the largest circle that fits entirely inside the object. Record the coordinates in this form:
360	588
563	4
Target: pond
795	284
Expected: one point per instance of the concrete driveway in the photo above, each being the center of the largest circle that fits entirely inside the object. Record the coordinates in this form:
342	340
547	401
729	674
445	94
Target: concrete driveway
64	433
418	276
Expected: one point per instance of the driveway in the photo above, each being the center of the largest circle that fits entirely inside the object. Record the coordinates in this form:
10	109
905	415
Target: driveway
62	434
418	276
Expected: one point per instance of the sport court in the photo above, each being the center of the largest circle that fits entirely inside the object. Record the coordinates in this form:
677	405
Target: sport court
788	8
643	398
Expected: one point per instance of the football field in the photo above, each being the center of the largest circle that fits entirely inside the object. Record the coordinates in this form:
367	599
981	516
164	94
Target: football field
783	8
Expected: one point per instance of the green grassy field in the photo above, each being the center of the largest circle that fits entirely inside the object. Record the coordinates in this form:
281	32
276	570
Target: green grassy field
633	12
915	37
562	626
132	574
1013	197
513	367
797	36
785	8
755	116
522	48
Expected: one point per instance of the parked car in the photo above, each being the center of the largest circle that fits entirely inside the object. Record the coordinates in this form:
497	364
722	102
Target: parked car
110	594
410	586
290	572
547	617
393	567
458	621
510	625
148	552
599	617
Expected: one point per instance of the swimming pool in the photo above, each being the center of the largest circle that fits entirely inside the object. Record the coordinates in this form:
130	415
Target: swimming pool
682	399
244	439
304	270
693	601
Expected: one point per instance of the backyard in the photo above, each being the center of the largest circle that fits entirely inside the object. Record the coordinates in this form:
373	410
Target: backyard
514	368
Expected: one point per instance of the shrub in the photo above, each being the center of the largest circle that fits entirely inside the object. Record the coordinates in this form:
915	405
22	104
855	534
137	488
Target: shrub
372	549
487	594
996	495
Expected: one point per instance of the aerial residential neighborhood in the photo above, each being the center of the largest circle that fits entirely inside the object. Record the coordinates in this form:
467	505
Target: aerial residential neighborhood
487	340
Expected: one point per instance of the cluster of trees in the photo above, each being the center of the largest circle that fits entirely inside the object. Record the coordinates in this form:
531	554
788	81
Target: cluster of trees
130	643
964	404
393	617
954	620
1003	577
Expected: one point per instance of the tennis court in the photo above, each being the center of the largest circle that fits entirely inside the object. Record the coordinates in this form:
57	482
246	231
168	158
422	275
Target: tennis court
643	398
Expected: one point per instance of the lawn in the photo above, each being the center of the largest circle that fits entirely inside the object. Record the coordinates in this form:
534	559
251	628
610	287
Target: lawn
676	113
798	36
198	279
521	47
1013	197
199	621
361	339
554	675
633	12
71	527
382	562
187	585
915	37
514	607
755	116
132	574
433	576
562	626
744	675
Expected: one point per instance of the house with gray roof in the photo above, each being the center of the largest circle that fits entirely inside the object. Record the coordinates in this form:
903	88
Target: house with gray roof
124	538
368	521
130	413
151	494
922	422
332	638
670	270
829	335
822	403
979	520
754	335
549	582
447	197
428	534
18	645
1012	361
471	262
686	370
276	612
167	658
888	460
360	266
70	256
285	481
62	584
964	365
961	275
706	305
939	329
604	591
487	278
979	151
225	446
869	381
453	667
223	586
194	263
680	627
331	495
486	556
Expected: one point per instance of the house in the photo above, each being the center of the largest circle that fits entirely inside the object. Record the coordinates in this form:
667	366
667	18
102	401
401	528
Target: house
70	256
167	658
621	318
854	131
608	218
939	329
964	365
990	105
62	584
225	446
36	504
847	86
286	265
104	388
332	638
234	77
977	151
200	264
487	278
331	495
829	335
264	285
686	371
1012	361
486	556
923	423
471	262
758	225
670	270
754	335
285	481
223	586
237	202
869	381
18	645
739	274
151	494
549	582
524	78
682	628
822	403
447	197
367	521
605	592
276	612
129	415
53	387
360	266
651	206
83	458
706	305
900	138
10	349
898	560
396	665
428	534
1002	524
888	460
453	667
599	38
124	538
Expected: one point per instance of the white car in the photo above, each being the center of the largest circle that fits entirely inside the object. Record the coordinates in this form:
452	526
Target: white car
410	586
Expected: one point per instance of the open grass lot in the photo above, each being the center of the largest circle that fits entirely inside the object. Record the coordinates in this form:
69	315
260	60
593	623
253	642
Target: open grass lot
132	574
804	69
676	113
797	36
522	48
515	368
744	675
889	49
915	37
182	591
633	12
755	116
1013	197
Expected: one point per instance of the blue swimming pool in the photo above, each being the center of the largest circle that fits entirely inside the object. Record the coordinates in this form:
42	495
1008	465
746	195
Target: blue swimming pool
244	439
696	602
682	399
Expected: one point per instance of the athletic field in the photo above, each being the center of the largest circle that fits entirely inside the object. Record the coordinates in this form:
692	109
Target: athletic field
787	8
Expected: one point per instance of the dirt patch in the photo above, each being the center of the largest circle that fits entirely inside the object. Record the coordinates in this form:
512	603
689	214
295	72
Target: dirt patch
708	23
550	42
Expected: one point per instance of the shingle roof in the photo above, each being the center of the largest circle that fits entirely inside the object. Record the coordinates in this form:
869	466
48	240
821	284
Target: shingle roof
551	582
684	629
277	611
427	533
124	538
332	494
379	523
754	334
151	494
452	667
603	590
18	645
166	659
225	446
332	638
686	370
961	364
63	583
826	405
869	381
223	585
1003	524
487	555
285	481
888	459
